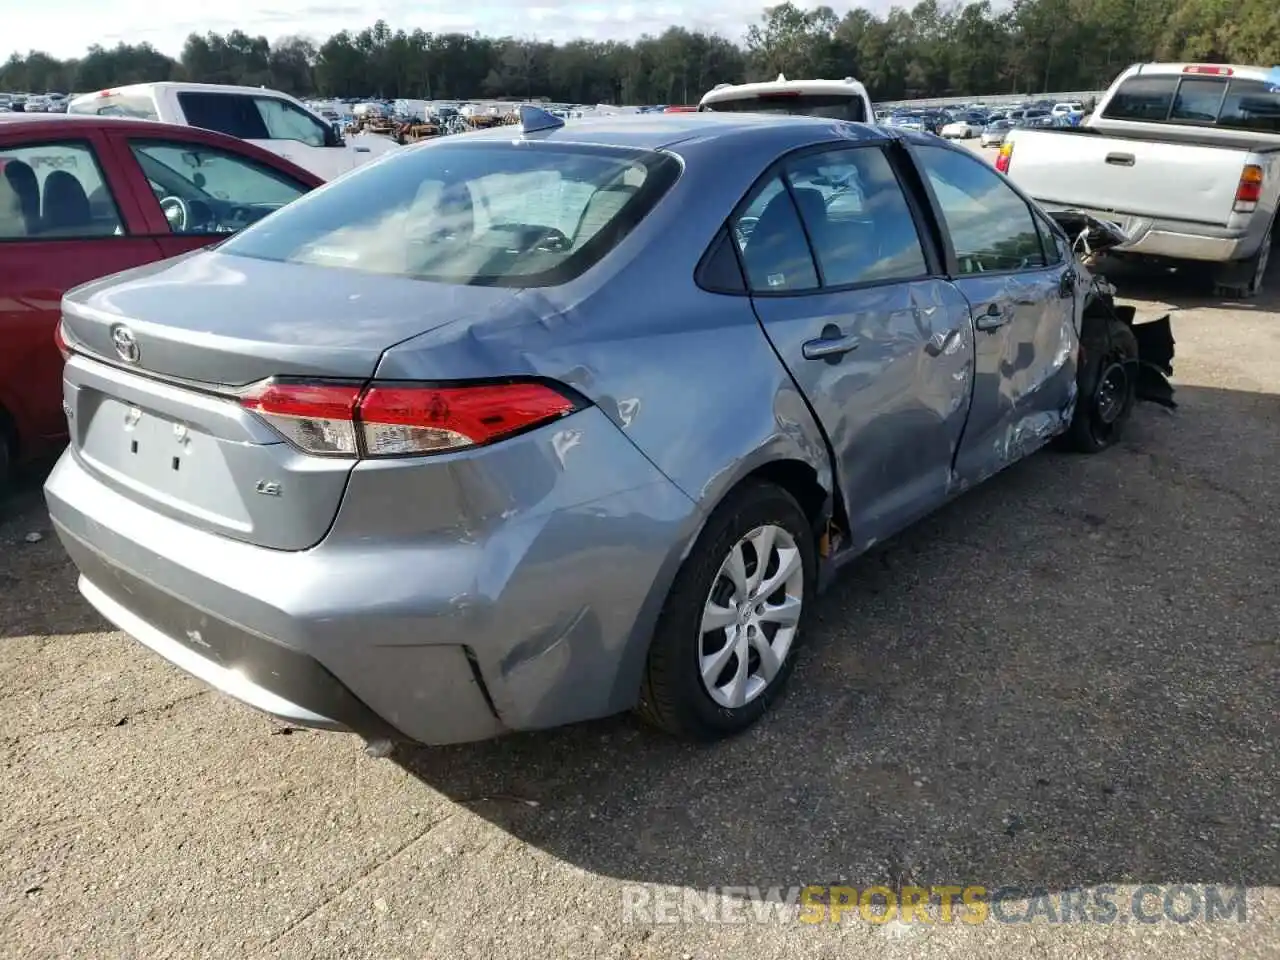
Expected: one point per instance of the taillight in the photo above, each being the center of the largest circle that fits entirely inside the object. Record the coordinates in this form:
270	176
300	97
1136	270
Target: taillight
318	418
1249	189
60	340
403	419
1004	157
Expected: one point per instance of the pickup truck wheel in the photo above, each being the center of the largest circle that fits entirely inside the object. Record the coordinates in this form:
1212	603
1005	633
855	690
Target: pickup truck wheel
726	638
1244	279
1106	386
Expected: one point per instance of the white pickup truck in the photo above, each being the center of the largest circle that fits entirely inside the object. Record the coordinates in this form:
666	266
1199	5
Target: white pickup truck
271	120
1184	157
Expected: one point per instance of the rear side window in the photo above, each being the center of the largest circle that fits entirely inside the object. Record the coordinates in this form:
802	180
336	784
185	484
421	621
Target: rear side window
833	105
1235	104
775	252
494	213
55	191
857	217
230	113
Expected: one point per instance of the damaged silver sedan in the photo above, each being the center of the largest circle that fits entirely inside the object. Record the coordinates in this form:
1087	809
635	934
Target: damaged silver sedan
527	427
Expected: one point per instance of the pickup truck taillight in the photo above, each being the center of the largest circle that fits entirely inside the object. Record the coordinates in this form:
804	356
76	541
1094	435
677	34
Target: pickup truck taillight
403	419
1004	157
60	341
1249	190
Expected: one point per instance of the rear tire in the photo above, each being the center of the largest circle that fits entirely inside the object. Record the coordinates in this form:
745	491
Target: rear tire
8	453
1107	386
1244	279
725	643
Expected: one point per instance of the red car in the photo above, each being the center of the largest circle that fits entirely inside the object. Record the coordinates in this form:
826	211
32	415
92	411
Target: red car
82	197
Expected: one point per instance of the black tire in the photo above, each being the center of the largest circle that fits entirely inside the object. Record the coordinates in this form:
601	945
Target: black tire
1107	386
672	694
1244	279
7	454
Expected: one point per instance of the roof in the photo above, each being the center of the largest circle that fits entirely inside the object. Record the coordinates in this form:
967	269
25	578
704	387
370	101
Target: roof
12	120
160	85
653	131
735	91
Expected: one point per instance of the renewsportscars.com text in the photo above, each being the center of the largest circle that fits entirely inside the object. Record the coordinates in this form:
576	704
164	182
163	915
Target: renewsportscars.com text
938	903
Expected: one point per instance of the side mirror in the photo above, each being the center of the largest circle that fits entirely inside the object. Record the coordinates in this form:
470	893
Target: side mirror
333	136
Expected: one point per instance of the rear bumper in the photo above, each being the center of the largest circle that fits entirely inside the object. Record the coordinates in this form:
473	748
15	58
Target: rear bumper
1179	240
502	623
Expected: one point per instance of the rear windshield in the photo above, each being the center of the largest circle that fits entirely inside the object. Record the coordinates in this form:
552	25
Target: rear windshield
1233	104
492	213
836	106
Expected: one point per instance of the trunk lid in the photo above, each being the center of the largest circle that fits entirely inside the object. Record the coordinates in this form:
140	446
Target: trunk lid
226	320
167	430
1140	177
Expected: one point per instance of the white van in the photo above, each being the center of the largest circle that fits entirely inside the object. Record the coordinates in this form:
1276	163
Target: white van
838	99
272	120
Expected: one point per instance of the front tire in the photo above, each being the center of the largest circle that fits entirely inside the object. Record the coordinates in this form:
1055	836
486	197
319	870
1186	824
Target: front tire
1107	386
725	642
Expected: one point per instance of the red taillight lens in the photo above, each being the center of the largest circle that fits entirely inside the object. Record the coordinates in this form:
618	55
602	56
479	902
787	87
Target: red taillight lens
399	420
1249	189
1004	157
60	340
318	418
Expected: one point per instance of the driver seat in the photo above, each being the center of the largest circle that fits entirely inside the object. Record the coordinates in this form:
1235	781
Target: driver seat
65	205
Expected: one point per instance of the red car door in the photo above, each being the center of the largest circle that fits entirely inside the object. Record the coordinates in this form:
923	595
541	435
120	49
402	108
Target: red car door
66	217
195	188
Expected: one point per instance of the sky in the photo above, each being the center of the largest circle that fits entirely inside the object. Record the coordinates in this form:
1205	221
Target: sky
66	28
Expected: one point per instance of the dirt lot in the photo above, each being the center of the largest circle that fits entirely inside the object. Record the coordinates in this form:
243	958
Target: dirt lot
1067	678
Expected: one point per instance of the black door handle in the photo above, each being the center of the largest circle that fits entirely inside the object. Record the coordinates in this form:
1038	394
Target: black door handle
1120	159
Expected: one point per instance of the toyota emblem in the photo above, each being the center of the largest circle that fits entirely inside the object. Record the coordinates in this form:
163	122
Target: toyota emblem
125	343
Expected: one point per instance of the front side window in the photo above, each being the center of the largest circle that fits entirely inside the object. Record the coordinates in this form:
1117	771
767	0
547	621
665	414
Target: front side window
492	213
118	105
284	121
204	189
772	243
55	191
991	227
857	217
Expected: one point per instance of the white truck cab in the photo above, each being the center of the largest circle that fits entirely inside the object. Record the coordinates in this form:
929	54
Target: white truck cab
267	118
838	99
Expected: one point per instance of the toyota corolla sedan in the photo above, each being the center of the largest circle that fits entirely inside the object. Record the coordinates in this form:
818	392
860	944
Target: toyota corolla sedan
525	427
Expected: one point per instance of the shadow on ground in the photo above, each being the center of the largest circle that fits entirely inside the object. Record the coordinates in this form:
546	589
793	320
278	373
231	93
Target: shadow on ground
1188	287
1067	677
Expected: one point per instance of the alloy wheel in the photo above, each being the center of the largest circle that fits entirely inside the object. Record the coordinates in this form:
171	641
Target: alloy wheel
750	617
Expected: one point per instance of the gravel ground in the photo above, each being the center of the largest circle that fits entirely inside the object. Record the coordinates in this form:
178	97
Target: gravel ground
1065	679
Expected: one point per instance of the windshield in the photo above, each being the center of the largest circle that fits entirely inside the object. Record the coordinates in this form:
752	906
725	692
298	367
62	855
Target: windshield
492	213
835	106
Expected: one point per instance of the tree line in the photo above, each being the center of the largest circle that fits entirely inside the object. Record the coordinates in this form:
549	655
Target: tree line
930	50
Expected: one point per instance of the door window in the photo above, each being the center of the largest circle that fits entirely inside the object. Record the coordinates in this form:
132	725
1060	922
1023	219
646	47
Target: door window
284	121
857	217
775	252
991	227
55	191
205	189
234	114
